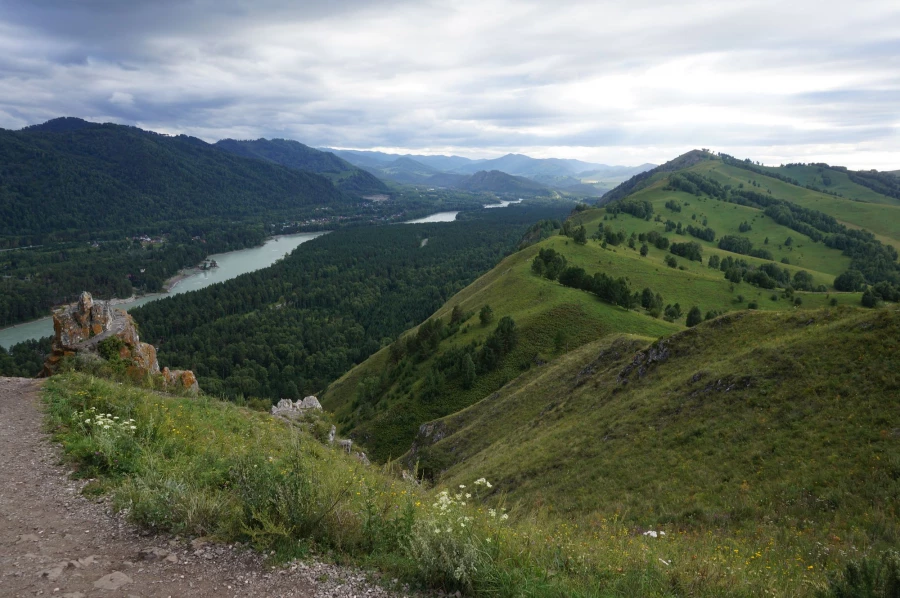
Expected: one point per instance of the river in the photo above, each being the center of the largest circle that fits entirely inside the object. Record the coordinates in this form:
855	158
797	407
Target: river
231	264
451	216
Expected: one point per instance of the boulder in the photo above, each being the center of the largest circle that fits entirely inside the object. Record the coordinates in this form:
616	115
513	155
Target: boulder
180	379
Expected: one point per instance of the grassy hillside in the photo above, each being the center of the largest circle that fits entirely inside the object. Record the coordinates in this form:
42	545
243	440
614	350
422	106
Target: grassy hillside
881	218
550	319
747	418
832	180
383	401
200	467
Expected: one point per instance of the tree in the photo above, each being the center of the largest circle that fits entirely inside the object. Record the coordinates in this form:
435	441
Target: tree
507	334
580	235
644	250
457	315
468	372
694	317
486	315
869	299
850	281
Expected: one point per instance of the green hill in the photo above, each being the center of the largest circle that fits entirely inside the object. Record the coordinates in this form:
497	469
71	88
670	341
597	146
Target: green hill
383	401
72	177
468	392
295	155
750	417
859	186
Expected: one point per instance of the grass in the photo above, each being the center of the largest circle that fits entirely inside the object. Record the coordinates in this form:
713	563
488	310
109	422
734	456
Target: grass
200	467
774	433
551	319
839	182
554	319
881	219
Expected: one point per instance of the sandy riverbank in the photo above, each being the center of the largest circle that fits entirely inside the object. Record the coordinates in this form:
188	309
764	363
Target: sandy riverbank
182	274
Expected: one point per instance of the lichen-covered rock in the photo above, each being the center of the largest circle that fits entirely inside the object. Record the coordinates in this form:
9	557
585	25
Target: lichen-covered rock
92	327
180	379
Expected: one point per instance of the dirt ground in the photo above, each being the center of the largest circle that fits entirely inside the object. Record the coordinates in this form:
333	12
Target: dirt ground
56	542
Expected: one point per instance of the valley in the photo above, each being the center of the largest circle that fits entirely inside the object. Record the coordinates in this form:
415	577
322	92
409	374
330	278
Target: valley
669	359
450	299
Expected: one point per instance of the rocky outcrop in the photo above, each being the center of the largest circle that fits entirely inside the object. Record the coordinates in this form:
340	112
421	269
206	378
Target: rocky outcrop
180	379
95	328
292	409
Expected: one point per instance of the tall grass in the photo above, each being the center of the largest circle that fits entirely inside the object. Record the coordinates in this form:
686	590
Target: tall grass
200	467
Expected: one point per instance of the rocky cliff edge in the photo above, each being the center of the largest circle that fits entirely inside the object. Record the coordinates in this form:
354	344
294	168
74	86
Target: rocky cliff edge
82	328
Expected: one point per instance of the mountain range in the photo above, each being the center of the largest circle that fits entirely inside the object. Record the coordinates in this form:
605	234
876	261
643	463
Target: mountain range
575	176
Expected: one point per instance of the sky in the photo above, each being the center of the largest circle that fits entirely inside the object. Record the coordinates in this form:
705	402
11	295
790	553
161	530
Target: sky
615	82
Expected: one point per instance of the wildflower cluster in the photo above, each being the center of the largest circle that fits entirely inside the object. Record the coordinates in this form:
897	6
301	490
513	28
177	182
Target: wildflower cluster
94	421
452	540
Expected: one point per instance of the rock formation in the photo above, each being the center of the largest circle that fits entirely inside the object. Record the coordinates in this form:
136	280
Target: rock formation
91	327
291	409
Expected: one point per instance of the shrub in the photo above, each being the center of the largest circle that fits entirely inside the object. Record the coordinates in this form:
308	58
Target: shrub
694	317
451	542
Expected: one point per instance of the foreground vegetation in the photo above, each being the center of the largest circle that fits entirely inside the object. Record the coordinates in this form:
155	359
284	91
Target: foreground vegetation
201	467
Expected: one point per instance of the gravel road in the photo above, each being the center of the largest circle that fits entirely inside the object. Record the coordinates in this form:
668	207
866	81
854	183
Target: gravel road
55	542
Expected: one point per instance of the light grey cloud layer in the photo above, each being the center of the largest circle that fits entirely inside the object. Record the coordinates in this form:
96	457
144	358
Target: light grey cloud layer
615	81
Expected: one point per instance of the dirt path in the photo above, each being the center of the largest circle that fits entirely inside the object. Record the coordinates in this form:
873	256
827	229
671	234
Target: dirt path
55	542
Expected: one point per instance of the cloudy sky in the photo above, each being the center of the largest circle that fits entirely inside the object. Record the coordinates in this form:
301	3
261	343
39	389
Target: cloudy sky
620	82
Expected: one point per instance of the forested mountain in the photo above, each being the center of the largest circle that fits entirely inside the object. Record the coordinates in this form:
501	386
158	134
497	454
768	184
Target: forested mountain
500	182
404	170
297	156
68	179
365	158
521	165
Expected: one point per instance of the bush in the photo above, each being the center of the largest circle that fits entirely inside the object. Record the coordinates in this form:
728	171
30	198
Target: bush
850	281
694	317
450	544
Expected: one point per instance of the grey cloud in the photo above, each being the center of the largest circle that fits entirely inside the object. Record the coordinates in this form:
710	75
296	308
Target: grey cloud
488	75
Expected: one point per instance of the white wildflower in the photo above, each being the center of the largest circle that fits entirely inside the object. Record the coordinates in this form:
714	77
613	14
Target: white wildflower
504	517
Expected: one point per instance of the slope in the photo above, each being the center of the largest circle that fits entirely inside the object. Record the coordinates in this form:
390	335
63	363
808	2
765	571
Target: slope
882	218
832	180
383	400
295	155
750	419
64	177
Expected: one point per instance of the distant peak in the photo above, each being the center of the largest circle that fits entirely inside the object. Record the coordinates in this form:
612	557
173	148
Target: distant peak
62	124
